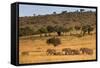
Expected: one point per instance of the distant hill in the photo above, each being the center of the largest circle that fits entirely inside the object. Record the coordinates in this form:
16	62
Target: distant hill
64	19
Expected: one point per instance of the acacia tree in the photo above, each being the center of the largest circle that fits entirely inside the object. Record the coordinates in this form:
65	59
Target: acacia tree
43	31
63	12
50	29
34	14
90	28
82	10
87	28
54	13
70	29
65	30
77	28
59	30
25	31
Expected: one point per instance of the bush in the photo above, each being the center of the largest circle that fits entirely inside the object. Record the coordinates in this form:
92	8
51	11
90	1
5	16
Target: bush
42	31
77	27
25	31
50	28
54	41
90	28
87	28
58	29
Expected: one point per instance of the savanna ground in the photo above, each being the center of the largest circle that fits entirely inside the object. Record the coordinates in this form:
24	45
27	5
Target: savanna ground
32	49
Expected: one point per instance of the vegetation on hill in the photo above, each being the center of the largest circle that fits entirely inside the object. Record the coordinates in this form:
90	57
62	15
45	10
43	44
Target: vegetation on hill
59	23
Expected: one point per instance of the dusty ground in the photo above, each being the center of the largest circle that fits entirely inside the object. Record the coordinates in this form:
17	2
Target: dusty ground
34	50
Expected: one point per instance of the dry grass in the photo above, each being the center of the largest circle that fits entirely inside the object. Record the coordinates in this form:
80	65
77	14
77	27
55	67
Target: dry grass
34	50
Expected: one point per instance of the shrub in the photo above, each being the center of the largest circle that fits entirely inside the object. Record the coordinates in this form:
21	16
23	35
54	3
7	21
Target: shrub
77	27
58	29
90	28
50	29
42	30
87	28
25	31
54	41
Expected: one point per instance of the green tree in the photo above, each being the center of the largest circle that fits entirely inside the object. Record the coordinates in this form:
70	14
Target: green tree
50	29
70	29
90	28
77	28
25	31
59	30
87	28
42	31
65	30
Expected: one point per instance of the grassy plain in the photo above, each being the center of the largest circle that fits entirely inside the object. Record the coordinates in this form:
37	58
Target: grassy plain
32	49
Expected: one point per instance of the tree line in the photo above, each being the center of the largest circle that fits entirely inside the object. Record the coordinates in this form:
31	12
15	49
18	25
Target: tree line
59	30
